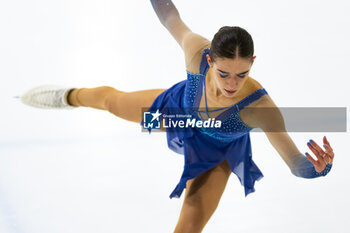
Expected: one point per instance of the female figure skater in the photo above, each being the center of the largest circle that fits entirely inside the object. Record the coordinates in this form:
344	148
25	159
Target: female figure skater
217	77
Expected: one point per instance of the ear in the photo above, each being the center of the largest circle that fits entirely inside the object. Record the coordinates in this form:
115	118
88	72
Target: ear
209	60
253	58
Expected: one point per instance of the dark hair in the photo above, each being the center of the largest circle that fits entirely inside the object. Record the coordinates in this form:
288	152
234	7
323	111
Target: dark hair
230	42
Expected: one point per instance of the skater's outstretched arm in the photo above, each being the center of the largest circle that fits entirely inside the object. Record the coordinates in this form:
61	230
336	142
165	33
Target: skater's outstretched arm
269	118
191	43
170	18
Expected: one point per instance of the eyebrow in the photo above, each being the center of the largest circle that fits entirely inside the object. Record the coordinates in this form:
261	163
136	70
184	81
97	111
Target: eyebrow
237	74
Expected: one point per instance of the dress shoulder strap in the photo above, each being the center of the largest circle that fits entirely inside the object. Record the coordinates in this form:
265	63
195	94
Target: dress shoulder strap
251	98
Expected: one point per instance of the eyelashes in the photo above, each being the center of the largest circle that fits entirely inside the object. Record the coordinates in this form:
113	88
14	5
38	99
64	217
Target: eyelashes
226	75
223	75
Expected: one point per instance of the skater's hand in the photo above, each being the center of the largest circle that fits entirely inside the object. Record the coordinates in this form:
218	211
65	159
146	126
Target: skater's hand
323	157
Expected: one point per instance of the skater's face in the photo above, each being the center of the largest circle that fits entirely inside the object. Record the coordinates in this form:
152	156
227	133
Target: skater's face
230	74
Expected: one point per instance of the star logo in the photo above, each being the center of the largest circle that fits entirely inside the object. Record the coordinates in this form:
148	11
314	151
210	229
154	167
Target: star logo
151	120
156	115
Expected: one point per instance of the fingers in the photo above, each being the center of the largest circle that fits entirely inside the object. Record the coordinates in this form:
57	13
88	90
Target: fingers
316	150
317	147
314	162
326	142
329	150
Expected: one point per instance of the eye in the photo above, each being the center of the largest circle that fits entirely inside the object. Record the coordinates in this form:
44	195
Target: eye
222	75
241	75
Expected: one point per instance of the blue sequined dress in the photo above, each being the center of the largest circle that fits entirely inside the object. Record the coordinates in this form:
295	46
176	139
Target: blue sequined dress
204	149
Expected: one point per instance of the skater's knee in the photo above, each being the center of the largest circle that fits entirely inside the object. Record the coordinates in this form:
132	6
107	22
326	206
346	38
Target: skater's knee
194	201
108	90
110	94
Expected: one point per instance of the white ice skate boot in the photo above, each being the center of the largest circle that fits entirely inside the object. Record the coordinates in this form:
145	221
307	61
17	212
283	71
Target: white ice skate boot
48	97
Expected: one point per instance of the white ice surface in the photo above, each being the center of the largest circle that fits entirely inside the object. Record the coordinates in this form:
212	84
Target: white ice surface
87	171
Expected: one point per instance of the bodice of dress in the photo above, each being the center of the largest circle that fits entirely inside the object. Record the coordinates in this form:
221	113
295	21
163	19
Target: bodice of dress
231	125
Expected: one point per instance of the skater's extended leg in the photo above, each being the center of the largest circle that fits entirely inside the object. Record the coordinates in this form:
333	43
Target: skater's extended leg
202	196
91	97
126	105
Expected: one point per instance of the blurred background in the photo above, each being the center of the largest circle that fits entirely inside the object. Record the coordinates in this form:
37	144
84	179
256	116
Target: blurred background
85	170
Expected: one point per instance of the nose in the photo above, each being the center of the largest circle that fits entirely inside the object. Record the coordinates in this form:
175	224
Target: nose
232	83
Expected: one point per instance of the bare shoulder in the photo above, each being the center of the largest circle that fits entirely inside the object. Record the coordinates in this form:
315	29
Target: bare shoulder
263	101
254	84
263	113
193	47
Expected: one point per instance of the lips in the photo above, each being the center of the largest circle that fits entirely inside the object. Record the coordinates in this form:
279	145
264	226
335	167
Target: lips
230	91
